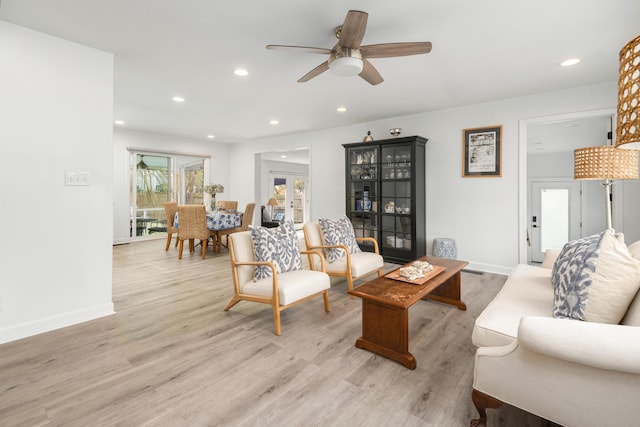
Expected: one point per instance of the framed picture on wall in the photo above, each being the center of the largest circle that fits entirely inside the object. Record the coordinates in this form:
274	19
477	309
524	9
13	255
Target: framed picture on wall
482	152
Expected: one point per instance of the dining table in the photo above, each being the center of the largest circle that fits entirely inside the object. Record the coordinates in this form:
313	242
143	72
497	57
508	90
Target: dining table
218	220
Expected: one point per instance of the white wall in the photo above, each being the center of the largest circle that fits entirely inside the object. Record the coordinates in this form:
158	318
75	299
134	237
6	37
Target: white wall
124	139
480	213
55	116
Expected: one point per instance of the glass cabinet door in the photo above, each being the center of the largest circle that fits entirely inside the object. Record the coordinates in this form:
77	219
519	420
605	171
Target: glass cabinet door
396	197
363	191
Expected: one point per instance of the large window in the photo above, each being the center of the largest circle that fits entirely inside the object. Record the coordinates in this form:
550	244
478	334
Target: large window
157	178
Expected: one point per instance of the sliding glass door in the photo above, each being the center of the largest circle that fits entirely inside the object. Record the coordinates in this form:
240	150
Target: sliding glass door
152	187
157	178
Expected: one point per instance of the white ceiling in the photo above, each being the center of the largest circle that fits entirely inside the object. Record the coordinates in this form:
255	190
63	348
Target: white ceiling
567	135
482	51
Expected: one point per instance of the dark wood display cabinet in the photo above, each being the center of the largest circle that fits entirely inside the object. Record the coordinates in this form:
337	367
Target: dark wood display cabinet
385	195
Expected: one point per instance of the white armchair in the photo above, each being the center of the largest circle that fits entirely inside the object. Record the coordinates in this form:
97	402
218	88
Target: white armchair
280	290
351	266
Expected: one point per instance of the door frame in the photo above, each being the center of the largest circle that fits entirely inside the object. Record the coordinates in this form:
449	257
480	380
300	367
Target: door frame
523	192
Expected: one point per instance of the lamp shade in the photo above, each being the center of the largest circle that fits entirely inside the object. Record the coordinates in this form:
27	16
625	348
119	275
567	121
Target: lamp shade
605	162
272	202
628	128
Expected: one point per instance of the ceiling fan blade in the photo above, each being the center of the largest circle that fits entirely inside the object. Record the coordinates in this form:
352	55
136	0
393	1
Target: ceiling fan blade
315	72
389	50
308	49
353	28
370	74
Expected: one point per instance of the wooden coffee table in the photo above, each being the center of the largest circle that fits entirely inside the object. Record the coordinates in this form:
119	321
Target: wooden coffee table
385	308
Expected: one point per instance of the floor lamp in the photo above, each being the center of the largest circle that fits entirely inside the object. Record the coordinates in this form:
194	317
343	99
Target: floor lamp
606	163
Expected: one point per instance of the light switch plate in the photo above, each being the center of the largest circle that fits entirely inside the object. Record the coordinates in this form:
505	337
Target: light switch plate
76	178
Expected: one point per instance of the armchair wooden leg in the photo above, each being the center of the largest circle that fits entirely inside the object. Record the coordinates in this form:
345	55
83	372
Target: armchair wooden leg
192	245
379	272
349	282
327	307
276	320
204	243
168	242
180	249
233	301
482	402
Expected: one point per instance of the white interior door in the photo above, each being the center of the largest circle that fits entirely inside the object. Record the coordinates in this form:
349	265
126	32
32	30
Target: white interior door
555	216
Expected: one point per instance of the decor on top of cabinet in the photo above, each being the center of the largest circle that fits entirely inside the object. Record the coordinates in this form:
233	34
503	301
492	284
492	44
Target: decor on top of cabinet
482	152
395	131
367	137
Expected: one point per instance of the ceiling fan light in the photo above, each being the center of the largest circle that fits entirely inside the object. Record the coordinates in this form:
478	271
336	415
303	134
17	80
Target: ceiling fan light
346	66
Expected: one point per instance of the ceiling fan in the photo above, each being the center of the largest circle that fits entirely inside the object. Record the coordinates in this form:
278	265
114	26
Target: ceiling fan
348	58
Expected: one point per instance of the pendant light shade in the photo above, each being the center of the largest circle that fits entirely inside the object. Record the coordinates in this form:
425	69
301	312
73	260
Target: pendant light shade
628	127
142	164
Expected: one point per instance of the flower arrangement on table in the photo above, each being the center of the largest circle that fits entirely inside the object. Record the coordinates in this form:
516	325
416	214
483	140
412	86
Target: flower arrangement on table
212	190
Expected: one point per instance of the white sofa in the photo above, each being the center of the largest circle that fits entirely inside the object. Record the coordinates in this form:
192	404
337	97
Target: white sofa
571	372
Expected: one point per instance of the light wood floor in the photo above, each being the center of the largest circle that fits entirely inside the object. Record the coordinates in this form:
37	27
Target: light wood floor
171	356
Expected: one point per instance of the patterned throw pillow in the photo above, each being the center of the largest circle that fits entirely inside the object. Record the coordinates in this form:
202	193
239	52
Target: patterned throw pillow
278	245
595	279
338	232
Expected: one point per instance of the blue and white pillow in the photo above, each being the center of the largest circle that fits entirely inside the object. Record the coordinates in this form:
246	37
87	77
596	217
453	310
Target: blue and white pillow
278	245
595	279
338	232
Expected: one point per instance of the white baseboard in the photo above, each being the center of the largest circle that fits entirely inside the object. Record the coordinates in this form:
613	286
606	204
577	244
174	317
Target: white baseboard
121	241
488	268
35	327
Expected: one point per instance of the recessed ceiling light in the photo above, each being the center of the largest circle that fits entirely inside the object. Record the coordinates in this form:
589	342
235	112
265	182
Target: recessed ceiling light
178	99
240	72
119	122
341	109
284	156
274	122
569	62
210	136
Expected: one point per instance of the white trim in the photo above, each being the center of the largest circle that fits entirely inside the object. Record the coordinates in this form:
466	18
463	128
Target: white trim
61	320
488	268
174	153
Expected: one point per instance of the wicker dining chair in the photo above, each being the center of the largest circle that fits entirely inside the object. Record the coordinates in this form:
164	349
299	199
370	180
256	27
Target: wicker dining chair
170	209
193	225
227	205
247	220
